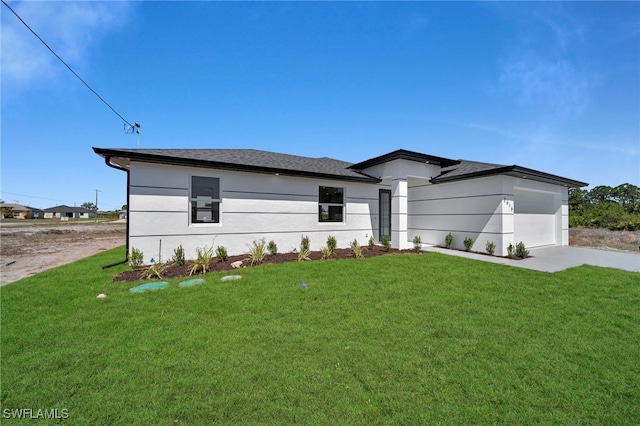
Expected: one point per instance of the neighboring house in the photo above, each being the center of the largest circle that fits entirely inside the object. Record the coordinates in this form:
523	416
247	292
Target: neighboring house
18	211
231	197
59	212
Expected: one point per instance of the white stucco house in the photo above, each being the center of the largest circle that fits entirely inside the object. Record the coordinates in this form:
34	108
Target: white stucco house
66	212
231	197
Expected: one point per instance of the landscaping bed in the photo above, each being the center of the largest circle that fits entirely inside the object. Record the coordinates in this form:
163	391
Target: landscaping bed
174	270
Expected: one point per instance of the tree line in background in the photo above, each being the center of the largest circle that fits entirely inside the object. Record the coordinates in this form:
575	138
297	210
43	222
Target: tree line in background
605	207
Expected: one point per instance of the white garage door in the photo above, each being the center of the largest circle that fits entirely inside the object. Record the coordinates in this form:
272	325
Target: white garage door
534	217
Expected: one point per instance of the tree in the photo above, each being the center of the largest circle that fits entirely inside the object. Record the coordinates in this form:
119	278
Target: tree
124	207
600	194
606	207
89	205
7	212
628	196
577	199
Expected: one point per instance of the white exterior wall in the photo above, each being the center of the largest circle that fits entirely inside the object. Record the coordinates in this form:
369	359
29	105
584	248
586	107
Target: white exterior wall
541	213
500	209
396	175
475	208
253	206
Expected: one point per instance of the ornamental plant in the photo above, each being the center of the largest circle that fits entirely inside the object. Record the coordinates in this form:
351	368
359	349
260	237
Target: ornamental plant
468	243
356	249
203	260
257	252
371	243
136	258
221	254
272	247
326	252
521	250
332	243
386	246
417	242
448	240
178	256
304	243
490	247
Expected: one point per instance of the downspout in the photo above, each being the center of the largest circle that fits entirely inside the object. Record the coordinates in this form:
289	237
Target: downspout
107	161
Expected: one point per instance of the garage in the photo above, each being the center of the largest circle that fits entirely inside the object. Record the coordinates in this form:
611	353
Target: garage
535	218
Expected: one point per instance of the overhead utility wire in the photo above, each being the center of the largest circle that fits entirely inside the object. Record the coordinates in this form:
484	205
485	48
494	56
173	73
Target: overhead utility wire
132	127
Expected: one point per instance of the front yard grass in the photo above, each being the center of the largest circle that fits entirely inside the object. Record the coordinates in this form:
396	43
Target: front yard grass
398	339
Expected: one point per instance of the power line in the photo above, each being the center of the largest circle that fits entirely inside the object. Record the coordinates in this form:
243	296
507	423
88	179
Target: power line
132	127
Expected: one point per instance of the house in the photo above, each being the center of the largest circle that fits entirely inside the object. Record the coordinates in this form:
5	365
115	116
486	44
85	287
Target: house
66	212
18	211
231	197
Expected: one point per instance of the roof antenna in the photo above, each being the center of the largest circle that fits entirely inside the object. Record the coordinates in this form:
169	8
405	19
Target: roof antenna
128	129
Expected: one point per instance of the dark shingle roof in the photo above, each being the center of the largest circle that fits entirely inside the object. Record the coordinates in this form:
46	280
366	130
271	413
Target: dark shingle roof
250	160
466	169
256	161
66	209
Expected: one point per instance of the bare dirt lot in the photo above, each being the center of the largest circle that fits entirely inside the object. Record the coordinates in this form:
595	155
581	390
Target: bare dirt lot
31	247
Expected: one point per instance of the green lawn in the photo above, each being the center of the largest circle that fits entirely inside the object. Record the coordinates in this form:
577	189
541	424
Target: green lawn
400	339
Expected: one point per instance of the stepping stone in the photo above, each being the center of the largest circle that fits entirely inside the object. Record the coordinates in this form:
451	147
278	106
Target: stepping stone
192	282
231	278
149	286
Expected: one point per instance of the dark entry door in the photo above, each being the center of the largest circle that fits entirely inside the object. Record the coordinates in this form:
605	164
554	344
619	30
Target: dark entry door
385	213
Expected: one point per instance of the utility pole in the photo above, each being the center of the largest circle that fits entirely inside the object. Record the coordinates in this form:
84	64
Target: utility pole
96	213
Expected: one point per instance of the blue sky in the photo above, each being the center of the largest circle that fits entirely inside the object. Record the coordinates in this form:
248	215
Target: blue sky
549	86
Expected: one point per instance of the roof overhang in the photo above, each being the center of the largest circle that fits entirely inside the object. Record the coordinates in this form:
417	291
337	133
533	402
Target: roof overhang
518	172
403	154
125	158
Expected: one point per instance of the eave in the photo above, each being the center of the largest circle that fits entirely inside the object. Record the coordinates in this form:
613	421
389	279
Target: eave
515	171
125	158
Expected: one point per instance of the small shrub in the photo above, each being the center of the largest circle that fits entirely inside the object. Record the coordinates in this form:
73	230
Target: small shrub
154	271
417	242
136	258
326	252
448	240
371	243
468	243
356	249
221	254
257	252
304	243
272	247
203	260
303	254
386	246
178	256
521	250
510	250
332	243
490	247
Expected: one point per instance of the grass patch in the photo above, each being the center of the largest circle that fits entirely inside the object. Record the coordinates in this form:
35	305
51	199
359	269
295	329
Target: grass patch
406	339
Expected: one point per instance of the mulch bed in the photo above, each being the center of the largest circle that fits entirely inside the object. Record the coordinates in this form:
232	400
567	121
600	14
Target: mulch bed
176	271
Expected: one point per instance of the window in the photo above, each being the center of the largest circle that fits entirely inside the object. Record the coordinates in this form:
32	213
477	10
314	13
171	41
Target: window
331	204
205	200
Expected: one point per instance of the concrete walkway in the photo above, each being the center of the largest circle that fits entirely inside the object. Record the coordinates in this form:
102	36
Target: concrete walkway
557	258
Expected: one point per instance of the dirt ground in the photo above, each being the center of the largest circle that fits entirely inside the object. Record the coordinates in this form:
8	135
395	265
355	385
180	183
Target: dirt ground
31	247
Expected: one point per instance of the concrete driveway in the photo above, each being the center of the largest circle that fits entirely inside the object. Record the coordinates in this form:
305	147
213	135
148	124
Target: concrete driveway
557	258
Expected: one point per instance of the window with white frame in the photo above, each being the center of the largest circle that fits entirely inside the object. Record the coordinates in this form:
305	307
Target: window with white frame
331	204
205	199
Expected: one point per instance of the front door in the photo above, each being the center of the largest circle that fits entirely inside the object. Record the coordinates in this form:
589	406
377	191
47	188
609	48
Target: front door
385	213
